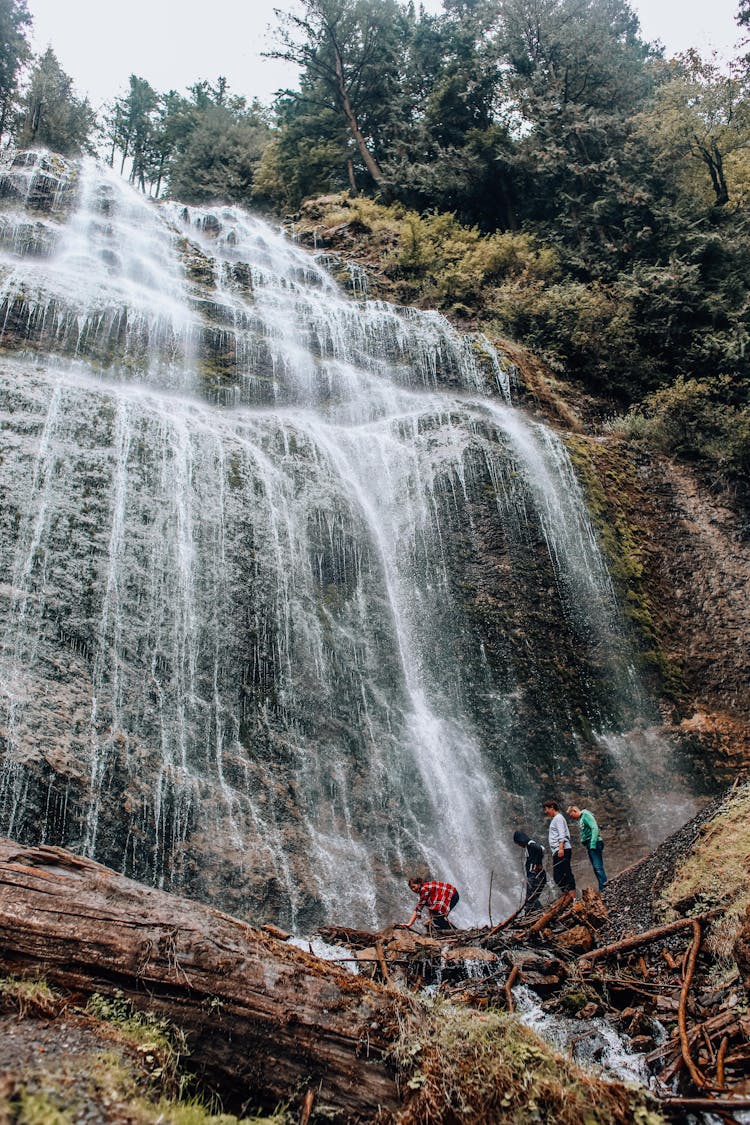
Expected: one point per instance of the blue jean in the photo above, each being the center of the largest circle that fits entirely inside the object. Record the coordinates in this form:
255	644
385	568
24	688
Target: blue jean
595	855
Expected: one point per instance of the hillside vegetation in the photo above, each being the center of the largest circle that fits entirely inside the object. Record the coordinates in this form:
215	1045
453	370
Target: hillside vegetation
514	287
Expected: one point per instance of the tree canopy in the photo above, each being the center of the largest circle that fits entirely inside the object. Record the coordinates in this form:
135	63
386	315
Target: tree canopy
51	116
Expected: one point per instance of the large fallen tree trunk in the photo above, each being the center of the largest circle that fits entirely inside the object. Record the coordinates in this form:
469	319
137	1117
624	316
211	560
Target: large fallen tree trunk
264	1022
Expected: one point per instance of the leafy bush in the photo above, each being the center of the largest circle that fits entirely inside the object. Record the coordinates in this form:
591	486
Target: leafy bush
697	419
587	331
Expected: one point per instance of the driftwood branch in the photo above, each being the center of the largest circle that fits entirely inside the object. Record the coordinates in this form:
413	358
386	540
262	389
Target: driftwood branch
720	1057
261	1018
512	978
556	908
707	1105
695	1073
633	942
502	925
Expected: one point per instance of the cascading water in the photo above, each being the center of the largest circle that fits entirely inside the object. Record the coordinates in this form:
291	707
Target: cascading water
295	599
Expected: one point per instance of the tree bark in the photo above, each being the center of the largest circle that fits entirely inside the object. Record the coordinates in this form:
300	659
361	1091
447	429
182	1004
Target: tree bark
351	118
557	907
264	1021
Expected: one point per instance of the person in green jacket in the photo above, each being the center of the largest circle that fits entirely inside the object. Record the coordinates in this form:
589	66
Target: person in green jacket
591	840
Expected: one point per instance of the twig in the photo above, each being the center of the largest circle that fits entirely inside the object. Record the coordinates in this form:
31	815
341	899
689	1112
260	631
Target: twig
709	1045
307	1107
381	961
720	1057
646	987
624	983
671	963
502	925
512	978
695	1073
665	1076
489	897
716	1023
511	917
708	1104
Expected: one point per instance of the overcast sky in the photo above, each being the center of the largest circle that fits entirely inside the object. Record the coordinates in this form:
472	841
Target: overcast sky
171	44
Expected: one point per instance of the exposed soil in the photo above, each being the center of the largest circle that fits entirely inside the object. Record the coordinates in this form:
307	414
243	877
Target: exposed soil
71	1067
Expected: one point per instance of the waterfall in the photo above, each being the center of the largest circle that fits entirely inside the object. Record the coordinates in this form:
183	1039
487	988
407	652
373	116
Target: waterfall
296	600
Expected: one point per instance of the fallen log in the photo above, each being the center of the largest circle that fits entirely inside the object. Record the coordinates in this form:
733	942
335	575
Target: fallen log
647	936
263	1021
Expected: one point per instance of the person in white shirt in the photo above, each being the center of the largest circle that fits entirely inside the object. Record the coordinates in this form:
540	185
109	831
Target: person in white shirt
559	846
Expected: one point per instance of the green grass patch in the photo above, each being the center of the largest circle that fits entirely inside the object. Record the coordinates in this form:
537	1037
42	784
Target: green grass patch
30	996
715	873
459	1065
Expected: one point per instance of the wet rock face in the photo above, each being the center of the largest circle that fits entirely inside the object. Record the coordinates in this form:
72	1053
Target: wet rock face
543	972
680	559
295	599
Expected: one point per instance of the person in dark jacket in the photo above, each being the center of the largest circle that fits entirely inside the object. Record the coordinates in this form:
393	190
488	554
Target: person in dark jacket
536	876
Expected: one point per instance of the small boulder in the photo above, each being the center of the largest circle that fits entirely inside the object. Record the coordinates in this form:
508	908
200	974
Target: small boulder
453	956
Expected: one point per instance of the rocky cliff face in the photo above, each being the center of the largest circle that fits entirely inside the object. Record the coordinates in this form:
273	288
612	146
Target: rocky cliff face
689	601
296	597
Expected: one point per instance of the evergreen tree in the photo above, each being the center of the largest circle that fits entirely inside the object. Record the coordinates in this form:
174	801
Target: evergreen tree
453	151
130	127
309	154
51	115
576	74
217	155
15	22
349	52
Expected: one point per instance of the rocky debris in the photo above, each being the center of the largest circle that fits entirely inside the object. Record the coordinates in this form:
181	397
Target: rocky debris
282	1020
263	1023
630	897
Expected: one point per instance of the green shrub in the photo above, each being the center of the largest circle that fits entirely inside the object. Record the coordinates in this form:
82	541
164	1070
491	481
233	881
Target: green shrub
697	419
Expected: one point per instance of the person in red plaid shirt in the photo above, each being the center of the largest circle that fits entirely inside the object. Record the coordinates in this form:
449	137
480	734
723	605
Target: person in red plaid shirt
439	898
